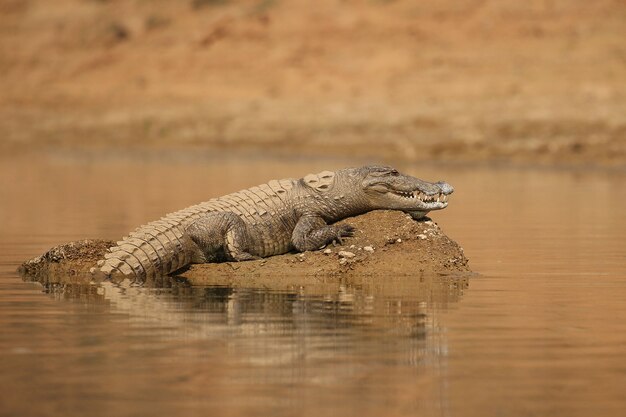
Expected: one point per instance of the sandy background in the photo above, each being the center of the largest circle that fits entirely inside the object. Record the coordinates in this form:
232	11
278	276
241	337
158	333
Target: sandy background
536	81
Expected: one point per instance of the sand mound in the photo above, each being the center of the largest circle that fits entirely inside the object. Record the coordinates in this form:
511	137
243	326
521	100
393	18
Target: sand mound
386	243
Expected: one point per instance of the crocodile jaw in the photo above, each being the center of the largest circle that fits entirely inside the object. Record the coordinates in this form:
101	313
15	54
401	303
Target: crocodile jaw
417	203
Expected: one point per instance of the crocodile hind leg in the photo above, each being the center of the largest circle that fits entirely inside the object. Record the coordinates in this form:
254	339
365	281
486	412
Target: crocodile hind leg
312	232
220	236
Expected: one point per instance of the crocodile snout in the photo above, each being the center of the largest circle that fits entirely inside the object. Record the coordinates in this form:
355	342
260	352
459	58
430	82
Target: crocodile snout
445	187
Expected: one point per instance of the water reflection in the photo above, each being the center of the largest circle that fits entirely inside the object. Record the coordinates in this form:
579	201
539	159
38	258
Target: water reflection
391	320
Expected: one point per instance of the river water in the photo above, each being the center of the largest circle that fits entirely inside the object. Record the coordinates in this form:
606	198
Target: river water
541	331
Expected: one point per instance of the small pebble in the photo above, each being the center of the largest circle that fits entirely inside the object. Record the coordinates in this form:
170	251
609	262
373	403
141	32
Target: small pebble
421	236
398	240
368	249
343	261
327	251
346	254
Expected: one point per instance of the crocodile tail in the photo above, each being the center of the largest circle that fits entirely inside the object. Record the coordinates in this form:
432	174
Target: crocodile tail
153	250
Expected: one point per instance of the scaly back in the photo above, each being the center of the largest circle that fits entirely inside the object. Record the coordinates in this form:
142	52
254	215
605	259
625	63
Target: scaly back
161	247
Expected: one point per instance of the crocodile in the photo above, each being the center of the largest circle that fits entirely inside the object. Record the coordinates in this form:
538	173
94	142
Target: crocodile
269	219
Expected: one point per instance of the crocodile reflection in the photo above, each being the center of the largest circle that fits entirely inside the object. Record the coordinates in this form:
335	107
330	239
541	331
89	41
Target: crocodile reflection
398	315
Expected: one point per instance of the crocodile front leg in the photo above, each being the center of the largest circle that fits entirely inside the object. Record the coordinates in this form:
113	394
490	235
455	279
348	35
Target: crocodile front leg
312	232
220	236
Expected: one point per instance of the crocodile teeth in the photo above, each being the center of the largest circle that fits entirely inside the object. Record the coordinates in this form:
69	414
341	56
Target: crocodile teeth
429	198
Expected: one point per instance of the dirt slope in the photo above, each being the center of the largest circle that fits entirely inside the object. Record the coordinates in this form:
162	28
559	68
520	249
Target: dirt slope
540	81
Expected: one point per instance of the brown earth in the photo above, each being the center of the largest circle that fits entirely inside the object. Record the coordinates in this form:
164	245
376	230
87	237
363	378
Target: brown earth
386	243
541	80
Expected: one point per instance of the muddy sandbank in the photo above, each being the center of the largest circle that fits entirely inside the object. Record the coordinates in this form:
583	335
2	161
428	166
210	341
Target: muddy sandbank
385	243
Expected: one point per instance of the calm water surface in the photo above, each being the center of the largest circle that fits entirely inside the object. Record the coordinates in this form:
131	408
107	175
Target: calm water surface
541	332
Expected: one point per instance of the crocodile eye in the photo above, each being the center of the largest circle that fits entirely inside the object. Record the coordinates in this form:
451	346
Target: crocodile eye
394	172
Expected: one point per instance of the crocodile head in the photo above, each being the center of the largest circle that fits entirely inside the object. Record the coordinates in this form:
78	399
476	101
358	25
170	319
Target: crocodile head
386	188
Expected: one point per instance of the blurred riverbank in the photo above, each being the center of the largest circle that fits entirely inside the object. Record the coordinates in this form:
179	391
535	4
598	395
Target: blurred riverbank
542	82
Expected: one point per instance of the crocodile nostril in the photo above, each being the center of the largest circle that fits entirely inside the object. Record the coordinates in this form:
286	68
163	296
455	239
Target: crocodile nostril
445	187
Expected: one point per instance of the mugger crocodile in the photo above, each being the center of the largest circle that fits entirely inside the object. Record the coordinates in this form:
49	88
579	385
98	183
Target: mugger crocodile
268	219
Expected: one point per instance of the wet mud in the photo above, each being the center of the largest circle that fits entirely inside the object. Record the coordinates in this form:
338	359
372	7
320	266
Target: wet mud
385	243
